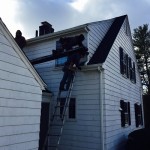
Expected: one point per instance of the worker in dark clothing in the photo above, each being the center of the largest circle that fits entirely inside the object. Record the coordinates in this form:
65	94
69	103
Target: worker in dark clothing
71	65
68	42
20	40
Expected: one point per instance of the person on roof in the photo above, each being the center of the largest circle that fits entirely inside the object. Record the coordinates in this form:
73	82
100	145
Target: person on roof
71	65
20	40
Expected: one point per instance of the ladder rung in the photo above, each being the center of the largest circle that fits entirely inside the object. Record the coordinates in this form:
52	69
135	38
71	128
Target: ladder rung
61	106
58	122
52	146
54	134
58	116
56	125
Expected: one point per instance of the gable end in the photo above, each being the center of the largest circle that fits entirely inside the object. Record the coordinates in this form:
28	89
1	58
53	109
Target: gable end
104	47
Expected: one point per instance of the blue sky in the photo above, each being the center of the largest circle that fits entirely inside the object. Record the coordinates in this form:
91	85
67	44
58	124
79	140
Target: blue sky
27	15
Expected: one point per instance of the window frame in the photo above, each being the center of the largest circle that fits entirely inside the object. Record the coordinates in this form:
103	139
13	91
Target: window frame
125	113
72	106
138	115
127	66
60	61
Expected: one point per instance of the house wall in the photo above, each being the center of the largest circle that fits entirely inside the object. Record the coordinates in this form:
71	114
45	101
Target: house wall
20	101
119	88
84	132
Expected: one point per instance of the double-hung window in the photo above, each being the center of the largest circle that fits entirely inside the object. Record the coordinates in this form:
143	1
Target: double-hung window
71	114
138	115
125	113
127	66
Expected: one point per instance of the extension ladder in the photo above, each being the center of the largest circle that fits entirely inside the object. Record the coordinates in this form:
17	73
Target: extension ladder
57	121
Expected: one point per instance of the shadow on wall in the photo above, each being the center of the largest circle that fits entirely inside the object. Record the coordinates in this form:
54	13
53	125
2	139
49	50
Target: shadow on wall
122	142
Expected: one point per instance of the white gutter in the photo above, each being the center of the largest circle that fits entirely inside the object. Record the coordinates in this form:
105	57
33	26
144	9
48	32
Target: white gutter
58	34
101	99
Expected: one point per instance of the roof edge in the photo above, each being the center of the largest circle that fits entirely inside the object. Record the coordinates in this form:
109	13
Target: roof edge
23	56
104	47
81	28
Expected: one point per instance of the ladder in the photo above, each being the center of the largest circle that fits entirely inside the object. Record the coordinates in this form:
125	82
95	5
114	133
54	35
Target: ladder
57	121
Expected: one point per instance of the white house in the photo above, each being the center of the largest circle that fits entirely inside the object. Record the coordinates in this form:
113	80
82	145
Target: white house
20	97
107	93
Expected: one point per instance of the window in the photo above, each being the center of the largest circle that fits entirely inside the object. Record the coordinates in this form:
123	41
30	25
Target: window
71	109
125	113
60	61
123	63
132	72
126	28
138	115
127	67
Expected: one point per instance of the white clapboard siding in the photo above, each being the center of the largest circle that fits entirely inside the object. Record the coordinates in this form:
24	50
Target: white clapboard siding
116	88
20	99
88	112
22	146
87	101
96	34
85	131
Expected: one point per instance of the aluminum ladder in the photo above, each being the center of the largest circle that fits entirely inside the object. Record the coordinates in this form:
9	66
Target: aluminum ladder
57	121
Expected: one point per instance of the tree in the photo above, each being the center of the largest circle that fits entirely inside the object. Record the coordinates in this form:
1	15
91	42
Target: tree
141	42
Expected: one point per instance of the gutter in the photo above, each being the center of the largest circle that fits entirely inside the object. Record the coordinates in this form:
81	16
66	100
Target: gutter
101	99
50	36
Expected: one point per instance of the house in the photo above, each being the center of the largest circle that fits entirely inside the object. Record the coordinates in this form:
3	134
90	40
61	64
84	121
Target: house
107	95
21	92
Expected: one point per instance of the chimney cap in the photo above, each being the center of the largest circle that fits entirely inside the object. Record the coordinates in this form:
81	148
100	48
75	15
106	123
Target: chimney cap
46	23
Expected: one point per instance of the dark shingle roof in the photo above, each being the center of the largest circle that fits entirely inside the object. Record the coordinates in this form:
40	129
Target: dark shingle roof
104	47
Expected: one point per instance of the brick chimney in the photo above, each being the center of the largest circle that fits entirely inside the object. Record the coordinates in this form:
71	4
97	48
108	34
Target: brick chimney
45	28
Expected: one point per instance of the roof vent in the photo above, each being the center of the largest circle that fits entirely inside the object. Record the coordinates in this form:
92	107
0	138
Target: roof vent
45	28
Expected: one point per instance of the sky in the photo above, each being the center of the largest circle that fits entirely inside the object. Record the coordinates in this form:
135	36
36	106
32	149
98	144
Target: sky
27	15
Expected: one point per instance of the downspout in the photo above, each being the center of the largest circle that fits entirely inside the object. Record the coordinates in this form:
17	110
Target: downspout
101	99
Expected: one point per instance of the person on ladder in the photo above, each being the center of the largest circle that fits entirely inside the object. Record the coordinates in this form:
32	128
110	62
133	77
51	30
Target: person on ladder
71	65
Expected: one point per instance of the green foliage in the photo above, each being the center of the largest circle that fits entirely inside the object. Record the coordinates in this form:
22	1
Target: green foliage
141	42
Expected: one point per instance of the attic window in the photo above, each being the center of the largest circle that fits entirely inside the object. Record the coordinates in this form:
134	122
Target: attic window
126	28
138	115
127	66
123	63
125	113
132	72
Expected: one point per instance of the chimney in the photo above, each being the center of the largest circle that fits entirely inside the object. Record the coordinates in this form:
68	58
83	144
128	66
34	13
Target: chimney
45	28
36	33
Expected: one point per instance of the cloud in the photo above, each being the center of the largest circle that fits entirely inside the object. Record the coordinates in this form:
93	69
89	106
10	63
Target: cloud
27	15
32	13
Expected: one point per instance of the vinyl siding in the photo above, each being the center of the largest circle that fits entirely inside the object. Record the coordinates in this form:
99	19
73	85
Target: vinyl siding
20	101
45	48
96	34
119	88
86	127
83	132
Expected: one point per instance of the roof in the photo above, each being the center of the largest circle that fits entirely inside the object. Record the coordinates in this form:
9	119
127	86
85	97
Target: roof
104	47
58	34
23	57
